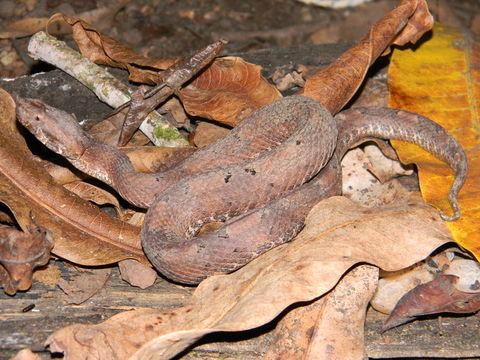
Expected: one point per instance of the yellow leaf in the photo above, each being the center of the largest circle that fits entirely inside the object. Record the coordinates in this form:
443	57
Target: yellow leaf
441	80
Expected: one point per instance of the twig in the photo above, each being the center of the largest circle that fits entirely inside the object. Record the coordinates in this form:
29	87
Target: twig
107	88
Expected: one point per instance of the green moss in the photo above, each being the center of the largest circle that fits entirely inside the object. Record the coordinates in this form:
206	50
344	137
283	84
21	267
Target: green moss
167	133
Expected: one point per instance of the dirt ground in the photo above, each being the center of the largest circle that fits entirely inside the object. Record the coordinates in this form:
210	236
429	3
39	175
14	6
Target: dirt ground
169	28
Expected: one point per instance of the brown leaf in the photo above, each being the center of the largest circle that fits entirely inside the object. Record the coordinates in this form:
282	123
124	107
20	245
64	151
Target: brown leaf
83	286
229	90
137	274
437	296
331	327
391	288
74	224
94	194
337	235
206	133
334	86
20	253
103	49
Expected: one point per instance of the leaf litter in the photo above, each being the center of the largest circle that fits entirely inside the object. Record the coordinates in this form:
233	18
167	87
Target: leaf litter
237	314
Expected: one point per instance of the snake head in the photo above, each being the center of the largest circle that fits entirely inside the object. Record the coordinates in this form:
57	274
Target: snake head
55	128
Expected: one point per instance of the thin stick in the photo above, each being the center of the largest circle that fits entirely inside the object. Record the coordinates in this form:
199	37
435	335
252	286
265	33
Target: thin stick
107	88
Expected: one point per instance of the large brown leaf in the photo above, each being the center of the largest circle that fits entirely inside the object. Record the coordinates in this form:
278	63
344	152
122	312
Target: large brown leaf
81	232
229	90
334	86
330	328
338	234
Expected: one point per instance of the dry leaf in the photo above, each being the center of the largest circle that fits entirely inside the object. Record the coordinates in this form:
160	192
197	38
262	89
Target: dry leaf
137	274
84	285
207	133
334	86
74	224
441	81
23	28
337	235
390	289
330	328
437	296
103	49
94	194
20	253
228	91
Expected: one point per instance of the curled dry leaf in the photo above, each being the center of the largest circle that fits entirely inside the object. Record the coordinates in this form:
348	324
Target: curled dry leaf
229	90
331	327
390	289
20	253
437	296
103	49
335	85
338	234
74	224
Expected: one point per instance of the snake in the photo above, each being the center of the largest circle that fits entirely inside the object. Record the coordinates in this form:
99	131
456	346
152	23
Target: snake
259	181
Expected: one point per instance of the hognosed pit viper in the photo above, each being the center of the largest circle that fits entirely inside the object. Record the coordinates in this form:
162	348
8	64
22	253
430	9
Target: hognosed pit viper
261	179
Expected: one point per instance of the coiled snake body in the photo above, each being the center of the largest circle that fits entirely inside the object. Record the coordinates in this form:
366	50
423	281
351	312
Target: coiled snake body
261	179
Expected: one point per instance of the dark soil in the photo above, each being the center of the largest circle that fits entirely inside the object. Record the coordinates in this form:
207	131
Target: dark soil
170	28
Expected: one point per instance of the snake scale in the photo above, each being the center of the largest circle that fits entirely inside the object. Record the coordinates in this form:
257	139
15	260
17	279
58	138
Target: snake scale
261	179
